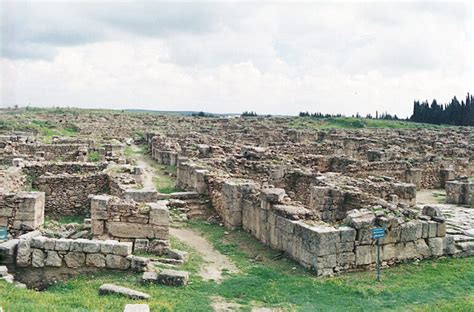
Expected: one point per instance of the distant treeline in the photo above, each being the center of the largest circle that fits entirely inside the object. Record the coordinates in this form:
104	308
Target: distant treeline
383	116
454	113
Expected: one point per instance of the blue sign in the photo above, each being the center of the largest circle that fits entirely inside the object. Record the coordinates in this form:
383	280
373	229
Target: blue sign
378	233
3	232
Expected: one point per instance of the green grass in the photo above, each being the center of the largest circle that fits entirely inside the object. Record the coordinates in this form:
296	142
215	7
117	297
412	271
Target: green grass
93	156
65	219
352	123
164	178
443	285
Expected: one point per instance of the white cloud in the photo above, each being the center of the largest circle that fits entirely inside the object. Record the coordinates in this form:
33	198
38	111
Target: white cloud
272	58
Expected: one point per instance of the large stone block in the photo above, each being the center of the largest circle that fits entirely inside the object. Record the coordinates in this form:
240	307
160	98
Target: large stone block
52	259
74	259
130	230
8	251
123	248
362	254
37	259
95	260
91	246
323	240
117	262
23	256
436	246
159	214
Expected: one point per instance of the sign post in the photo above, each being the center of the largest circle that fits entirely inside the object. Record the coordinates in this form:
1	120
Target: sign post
378	233
3	233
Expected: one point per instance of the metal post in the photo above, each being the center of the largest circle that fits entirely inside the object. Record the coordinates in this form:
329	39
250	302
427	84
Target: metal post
378	259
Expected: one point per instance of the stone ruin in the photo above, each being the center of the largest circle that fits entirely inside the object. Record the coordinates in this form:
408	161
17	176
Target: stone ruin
316	195
55	180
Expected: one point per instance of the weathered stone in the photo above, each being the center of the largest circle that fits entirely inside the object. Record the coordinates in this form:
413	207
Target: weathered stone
37	259
74	259
177	254
149	277
173	277
117	262
114	289
138	263
91	246
52	259
95	260
141	245
8	251
123	248
432	211
108	246
137	308
436	246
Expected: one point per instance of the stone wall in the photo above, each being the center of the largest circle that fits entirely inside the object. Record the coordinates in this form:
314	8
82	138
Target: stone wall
68	194
22	212
65	152
36	169
460	192
145	225
191	176
37	251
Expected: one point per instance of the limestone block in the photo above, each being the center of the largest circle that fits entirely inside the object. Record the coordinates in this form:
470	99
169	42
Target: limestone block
149	277
38	242
99	207
107	246
345	259
432	229
436	246
326	262
139	307
49	244
138	264
389	252
411	231
449	247
127	292
98	227
348	234
345	247
76	244
324	240
173	278
130	230
362	254
158	246
140	245
52	259
424	229
159	214
91	246
432	211
441	230
37	259
23	255
117	262
95	260
422	248
74	259
62	244
123	248
364	236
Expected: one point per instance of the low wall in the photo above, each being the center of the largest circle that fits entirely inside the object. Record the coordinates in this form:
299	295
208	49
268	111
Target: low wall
22	212
145	225
37	169
65	152
69	194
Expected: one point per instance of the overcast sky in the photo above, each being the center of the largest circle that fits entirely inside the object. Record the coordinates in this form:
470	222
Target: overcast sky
277	58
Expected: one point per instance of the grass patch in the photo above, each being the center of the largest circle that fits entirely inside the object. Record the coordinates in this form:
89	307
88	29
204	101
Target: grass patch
443	285
353	123
164	178
93	156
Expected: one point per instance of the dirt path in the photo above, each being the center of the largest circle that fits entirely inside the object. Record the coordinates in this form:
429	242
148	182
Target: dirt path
216	262
142	161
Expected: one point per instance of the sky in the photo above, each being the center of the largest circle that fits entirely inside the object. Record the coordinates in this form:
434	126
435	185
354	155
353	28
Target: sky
269	57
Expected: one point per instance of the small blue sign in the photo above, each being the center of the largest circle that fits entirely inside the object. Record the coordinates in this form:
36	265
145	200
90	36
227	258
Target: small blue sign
378	233
3	232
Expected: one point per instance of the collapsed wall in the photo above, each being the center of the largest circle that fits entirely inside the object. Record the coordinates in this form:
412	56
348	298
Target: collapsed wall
460	192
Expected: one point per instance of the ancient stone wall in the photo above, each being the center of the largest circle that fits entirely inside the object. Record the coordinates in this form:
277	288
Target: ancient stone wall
36	169
68	194
191	176
37	251
22	212
146	225
65	152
